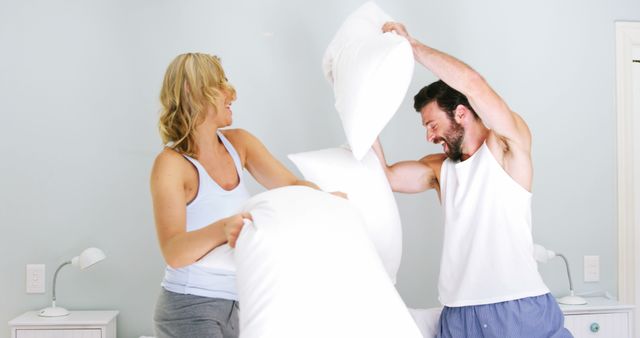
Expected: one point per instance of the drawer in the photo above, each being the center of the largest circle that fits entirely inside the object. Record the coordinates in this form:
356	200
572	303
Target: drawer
605	325
58	333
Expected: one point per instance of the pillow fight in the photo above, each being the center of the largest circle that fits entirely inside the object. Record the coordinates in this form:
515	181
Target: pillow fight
318	256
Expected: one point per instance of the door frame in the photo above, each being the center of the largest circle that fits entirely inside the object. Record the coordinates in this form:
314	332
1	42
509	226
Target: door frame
627	38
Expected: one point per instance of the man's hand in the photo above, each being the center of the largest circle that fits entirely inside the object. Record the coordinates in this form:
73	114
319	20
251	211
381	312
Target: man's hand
399	29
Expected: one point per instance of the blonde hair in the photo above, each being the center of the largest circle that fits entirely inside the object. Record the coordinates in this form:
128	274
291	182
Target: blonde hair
192	82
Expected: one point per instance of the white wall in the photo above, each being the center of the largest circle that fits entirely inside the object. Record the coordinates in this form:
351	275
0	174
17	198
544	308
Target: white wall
79	83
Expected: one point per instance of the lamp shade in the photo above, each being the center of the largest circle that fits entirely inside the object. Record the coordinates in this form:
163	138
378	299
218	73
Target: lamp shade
88	257
541	254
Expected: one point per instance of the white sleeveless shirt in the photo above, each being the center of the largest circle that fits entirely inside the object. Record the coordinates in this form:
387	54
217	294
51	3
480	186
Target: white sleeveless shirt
214	275
488	247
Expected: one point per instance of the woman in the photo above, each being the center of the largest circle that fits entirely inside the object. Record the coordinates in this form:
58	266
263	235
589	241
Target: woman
198	190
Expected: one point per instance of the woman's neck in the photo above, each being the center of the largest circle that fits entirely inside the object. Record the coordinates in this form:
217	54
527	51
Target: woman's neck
207	140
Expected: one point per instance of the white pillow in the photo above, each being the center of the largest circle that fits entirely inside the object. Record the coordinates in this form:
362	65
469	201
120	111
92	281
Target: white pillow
427	320
335	169
370	72
306	268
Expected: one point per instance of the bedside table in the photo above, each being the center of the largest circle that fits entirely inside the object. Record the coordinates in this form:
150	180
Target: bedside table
600	317
78	324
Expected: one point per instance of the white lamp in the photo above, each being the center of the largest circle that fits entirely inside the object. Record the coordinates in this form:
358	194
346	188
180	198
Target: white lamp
87	258
543	255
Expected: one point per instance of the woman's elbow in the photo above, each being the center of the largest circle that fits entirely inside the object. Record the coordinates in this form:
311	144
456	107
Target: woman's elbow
174	260
306	184
176	263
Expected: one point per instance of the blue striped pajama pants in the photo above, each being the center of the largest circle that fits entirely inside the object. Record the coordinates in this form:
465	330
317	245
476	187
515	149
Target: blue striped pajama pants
532	317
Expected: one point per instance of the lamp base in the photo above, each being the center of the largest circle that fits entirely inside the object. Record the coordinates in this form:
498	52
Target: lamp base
572	300
53	312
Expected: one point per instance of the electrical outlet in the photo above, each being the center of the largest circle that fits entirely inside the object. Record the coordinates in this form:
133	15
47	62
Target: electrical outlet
35	278
591	268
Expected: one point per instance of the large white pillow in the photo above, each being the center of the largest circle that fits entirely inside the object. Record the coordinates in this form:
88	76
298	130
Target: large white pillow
427	320
370	72
336	169
306	268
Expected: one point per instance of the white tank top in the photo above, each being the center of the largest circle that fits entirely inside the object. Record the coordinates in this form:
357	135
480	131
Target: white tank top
488	247
214	274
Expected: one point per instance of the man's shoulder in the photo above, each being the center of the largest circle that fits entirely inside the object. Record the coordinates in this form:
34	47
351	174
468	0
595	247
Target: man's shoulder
514	159
502	149
434	162
434	159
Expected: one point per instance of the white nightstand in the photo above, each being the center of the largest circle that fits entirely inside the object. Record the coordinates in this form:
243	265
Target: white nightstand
78	324
601	317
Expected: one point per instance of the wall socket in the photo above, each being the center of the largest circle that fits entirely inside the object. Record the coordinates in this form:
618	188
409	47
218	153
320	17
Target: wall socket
35	278
591	268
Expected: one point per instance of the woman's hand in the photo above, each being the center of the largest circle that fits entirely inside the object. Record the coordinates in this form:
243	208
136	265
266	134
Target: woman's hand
340	194
232	227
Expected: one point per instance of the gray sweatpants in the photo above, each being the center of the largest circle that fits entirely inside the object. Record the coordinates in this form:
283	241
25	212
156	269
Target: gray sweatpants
182	316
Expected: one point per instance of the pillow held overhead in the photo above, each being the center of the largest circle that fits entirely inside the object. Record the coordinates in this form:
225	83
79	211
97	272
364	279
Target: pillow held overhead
370	72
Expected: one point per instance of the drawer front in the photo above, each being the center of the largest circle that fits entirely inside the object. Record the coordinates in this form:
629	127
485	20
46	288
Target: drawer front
604	325
62	333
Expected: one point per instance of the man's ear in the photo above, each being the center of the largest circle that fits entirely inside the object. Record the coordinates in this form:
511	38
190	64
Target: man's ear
461	113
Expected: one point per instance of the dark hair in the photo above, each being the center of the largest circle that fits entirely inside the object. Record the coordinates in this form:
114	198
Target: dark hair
446	97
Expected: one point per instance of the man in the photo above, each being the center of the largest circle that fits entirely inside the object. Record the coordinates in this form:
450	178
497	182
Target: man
489	282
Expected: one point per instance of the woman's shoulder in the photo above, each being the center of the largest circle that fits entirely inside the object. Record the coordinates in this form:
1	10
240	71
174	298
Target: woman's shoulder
171	174
237	134
243	141
240	138
169	159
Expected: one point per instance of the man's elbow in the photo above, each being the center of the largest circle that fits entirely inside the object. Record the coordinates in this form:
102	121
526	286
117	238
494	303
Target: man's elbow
474	84
394	181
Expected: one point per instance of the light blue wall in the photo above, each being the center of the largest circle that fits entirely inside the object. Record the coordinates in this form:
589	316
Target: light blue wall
79	83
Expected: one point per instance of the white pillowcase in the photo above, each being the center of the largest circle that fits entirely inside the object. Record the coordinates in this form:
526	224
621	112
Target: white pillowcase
367	187
370	72
306	268
427	320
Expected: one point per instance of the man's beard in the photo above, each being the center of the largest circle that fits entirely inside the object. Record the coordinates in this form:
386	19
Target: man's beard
453	138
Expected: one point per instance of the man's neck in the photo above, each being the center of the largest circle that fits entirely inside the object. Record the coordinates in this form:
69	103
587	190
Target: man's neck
473	139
